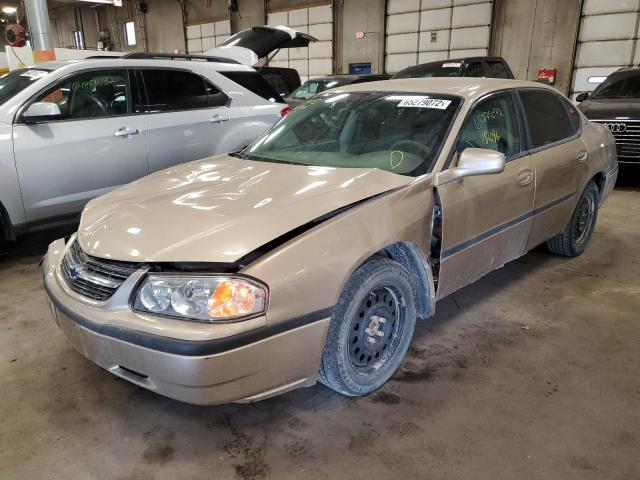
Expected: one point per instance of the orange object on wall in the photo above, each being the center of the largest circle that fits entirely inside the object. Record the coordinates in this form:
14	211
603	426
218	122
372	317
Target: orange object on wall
43	55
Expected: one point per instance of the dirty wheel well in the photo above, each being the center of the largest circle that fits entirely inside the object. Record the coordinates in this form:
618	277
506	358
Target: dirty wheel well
599	179
6	230
407	255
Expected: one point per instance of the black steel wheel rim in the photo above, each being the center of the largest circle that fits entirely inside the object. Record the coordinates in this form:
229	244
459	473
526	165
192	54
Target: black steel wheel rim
376	329
584	218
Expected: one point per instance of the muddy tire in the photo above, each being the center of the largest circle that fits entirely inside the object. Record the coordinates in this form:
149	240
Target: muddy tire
575	238
370	330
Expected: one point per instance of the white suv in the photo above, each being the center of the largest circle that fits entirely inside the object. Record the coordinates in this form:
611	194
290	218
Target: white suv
70	131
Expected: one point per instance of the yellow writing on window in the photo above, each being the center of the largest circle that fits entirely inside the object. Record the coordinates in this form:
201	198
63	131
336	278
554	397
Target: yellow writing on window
490	136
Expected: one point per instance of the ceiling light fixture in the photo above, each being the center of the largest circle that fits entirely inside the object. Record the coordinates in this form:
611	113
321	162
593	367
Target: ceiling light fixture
9	10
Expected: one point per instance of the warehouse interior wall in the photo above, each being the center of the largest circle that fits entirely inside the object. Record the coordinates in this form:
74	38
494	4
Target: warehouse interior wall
535	34
529	34
354	16
65	19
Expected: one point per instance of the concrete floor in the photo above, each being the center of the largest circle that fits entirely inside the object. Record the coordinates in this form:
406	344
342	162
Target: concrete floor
531	373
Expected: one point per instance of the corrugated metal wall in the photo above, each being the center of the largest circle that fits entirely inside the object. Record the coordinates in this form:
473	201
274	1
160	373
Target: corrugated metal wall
317	21
420	31
608	40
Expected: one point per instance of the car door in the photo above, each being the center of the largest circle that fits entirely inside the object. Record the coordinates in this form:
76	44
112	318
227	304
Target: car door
486	219
95	145
188	118
559	157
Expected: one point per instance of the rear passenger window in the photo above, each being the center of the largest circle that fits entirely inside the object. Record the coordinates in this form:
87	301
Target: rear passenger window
171	90
254	82
498	69
547	117
574	116
492	124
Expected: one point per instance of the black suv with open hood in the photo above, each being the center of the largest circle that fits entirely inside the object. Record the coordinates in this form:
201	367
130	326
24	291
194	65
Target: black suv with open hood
616	104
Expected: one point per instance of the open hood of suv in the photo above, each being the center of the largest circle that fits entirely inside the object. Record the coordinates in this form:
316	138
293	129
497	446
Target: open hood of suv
219	209
249	46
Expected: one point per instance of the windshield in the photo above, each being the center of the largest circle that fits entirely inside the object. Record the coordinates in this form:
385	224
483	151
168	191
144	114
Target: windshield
445	69
398	132
14	82
313	87
619	85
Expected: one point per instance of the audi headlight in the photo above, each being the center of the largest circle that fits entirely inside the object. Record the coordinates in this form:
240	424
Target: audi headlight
202	298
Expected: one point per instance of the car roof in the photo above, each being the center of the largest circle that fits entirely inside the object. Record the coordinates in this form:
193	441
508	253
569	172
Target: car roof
466	87
114	61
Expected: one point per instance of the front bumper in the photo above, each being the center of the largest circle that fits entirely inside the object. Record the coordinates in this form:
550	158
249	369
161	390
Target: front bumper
205	364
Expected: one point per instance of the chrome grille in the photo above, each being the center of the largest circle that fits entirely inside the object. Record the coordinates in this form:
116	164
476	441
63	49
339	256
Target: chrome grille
92	277
627	135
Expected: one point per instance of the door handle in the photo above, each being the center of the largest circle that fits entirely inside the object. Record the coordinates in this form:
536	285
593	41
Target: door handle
525	177
125	132
582	156
218	119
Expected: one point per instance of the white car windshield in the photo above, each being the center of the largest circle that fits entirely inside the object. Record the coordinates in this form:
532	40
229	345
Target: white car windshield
395	131
17	80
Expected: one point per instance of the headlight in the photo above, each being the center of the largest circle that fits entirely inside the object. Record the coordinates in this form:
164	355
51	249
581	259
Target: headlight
206	298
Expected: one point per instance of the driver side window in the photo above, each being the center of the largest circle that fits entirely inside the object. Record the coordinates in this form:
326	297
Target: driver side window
95	94
492	124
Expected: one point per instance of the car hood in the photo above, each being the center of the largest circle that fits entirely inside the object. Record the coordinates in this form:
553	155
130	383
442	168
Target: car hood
606	109
219	209
249	46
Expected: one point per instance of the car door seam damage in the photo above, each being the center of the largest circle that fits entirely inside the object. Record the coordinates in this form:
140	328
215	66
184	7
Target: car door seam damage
503	226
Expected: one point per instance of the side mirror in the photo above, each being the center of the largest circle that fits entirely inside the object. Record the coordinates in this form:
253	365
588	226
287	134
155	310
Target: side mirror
41	112
472	162
582	97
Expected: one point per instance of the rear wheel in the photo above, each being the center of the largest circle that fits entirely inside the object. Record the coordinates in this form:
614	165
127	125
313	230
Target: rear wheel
371	329
575	238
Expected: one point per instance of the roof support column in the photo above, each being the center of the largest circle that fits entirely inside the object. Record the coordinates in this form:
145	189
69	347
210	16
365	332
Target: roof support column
39	25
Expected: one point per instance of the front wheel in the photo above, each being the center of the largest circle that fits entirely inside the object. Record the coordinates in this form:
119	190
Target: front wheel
371	329
575	237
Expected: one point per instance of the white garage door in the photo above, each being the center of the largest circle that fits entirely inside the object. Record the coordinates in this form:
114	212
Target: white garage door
205	36
420	31
608	40
317	59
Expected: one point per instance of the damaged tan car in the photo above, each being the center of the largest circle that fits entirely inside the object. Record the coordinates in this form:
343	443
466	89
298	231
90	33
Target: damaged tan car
309	255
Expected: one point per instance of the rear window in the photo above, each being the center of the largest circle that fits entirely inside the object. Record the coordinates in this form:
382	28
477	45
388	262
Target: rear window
444	69
253	82
498	69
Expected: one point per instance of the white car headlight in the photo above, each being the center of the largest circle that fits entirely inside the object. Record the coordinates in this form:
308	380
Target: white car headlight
202	298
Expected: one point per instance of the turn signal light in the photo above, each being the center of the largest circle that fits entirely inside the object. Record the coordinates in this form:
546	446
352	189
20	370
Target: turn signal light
233	298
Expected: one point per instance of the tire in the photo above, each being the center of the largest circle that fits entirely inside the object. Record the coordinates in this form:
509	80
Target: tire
359	357
575	238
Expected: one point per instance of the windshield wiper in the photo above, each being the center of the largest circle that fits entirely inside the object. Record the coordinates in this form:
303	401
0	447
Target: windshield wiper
239	154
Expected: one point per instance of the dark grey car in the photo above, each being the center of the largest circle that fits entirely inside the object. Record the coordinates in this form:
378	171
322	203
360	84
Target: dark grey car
488	67
616	104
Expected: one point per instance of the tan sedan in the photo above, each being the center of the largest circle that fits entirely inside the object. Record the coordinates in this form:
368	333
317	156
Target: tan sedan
310	254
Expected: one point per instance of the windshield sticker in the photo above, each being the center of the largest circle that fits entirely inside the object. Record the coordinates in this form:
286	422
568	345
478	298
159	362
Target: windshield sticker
424	102
34	74
451	65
